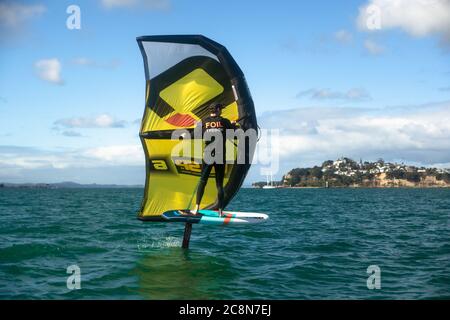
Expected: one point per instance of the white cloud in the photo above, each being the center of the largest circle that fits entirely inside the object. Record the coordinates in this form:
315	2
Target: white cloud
416	134
100	121
418	18
30	158
82	61
49	70
373	48
354	94
70	133
12	14
343	36
20	158
117	155
148	4
357	94
118	3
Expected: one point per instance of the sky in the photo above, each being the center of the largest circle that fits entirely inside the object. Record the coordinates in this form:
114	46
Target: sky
365	79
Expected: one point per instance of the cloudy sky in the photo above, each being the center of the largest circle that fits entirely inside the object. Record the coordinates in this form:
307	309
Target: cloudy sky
366	79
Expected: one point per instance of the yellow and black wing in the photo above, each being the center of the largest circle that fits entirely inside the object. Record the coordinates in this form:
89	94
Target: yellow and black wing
184	75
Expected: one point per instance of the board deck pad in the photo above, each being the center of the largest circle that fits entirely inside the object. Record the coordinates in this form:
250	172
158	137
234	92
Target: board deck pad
213	217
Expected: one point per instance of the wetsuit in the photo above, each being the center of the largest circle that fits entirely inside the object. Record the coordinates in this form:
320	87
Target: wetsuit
213	124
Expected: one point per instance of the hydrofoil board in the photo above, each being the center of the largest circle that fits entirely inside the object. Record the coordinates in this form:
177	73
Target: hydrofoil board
213	217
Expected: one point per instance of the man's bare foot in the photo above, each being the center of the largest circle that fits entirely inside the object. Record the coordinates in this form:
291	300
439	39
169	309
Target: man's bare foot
195	211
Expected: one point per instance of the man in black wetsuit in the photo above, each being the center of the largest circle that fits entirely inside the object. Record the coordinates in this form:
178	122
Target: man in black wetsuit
214	123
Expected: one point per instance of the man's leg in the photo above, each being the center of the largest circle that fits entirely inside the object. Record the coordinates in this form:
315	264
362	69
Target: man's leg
220	173
206	170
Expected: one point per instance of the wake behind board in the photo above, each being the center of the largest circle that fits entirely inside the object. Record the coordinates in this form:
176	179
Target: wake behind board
212	217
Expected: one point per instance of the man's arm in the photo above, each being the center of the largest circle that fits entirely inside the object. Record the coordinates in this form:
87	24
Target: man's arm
235	124
230	124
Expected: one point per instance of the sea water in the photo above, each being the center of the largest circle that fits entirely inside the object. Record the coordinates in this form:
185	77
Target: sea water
318	244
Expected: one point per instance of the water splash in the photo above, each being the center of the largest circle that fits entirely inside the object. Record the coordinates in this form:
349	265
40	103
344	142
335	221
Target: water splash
158	240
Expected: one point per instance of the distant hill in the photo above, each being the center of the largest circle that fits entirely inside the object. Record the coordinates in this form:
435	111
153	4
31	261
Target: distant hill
345	172
66	185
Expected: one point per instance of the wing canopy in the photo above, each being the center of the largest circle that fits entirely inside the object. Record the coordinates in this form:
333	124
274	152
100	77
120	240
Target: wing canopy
184	75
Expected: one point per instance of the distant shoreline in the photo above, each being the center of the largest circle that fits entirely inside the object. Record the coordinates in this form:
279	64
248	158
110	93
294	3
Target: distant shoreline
361	187
347	173
66	185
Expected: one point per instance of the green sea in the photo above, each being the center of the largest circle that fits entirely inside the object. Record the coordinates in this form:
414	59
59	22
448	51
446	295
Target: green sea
317	244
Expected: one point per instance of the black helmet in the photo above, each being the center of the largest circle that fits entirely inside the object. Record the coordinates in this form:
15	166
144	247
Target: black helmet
214	107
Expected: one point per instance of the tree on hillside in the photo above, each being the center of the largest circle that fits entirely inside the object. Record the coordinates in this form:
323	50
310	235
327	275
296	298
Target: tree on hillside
413	176
317	172
397	174
327	163
443	176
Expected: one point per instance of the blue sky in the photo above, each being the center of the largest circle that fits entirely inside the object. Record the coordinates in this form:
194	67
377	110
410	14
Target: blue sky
70	99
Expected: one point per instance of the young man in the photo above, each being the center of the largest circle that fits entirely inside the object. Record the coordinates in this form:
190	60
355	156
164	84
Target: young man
214	123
